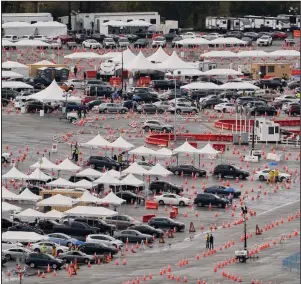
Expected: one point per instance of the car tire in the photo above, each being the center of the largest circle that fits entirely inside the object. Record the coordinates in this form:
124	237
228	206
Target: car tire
122	111
261	178
105	111
146	128
161	202
8	256
92	166
54	266
241	176
224	110
86	260
220	175
164	129
68	109
282	179
194	112
178	111
161	111
200	204
32	265
37	250
65	260
182	203
177	173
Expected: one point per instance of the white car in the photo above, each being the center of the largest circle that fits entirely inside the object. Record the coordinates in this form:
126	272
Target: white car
286	97
5	157
91	43
225	107
264	175
43	38
109	43
180	101
25	37
159	41
123	42
11	38
170	198
37	247
145	165
265	40
8	245
76	83
188	35
16	253
55	45
212	36
104	239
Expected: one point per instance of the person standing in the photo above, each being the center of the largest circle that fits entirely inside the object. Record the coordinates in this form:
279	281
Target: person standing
271	176
76	153
276	175
207	240
53	250
211	242
75	70
44	248
85	75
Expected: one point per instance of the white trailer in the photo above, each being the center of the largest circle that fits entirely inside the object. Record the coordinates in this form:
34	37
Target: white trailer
227	24
30	18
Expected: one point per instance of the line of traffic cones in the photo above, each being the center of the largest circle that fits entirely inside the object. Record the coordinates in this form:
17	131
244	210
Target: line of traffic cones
231	277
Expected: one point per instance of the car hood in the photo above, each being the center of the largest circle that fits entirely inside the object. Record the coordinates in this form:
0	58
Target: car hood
179	223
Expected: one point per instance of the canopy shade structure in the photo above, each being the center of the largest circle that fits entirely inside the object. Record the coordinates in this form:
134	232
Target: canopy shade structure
114	173
83	55
142	150
200	86
174	62
51	29
11	74
54	214
113	199
164	152
138	23
284	53
252	53
221	53
7	194
6	42
186	72
18	28
43	164
238	86
14	173
139	63
98	141
6	207
29	213
193	41
222	72
159	170
61	183
89	173
13	64
186	148
121	143
113	23
208	150
57	200
159	56
127	55
227	40
106	178
135	169
15	85
83	184
27	195
87	197
20	236
132	180
111	55
43	62
38	175
31	42
67	165
90	211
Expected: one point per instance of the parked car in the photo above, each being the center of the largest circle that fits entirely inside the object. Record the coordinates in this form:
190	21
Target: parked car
103	227
157	125
109	43
47	225
37	247
25	228
166	223
293	109
7	223
129	196
222	191
121	221
175	41
94	103
91	43
64	86
279	35
204	199
97	248
252	35
74	106
294	84
145	97
187	170
63	239
98	162
34	106
11	38
43	38
158	186
225	107
149	230
43	260
75	83
133	236
104	239
182	108
111	108
224	170
264	175
16	253
79	256
271	83
165	84
101	90
211	102
66	38
76	229
263	110
265	40
123	42
163	105
141	43
247	40
56	45
237	34
149	108
184	101
159	41
170	198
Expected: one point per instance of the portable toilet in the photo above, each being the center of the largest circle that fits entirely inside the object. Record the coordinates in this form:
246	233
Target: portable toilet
62	73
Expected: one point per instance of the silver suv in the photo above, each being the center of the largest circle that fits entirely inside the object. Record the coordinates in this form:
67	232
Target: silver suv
182	108
157	126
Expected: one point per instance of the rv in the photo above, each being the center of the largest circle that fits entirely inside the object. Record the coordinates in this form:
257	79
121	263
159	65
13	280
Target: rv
227	24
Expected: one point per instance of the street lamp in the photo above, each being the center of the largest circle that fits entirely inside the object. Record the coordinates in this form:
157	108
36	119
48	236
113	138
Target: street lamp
244	210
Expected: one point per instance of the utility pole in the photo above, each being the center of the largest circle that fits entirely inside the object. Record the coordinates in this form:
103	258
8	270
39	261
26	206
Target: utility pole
121	71
244	210
253	132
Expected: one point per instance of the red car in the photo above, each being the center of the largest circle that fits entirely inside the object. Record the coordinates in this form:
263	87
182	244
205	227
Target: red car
279	35
66	38
87	99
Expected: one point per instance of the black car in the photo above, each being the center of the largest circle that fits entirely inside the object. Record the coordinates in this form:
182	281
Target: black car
187	170
149	108
149	230
145	97
131	37
158	186
71	256
272	83
133	236
74	178
204	199
25	228
6	223
34	106
100	91
245	99
166	223
73	106
9	94
47	225
43	260
103	226
97	248
252	35
229	171
141	43
129	104
165	84
97	162
236	34
222	190
263	110
212	101
294	84
130	197
279	104
92	104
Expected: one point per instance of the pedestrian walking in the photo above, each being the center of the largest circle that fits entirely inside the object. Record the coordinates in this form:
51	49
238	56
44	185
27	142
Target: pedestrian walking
85	75
53	250
211	242
75	153
75	70
207	241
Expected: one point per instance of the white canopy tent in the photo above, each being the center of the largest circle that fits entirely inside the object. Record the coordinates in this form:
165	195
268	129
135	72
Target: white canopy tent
135	169
127	55
15	85
174	62
43	164
14	173
51	29
284	53
29	213
193	41
83	55
238	86
164	152
7	207
54	214
114	173
132	180
31	42
57	200
200	86
106	178
158	56
8	195
38	175
142	150
90	211
43	62
185	72
222	72
219	54
138	23
113	23
252	53
113	199
87	197
11	74
18	28
121	143
208	150
227	40
20	236
111	55
16	67
27	195
67	165
83	184
89	173
186	148
159	170
60	182
98	141
139	63
7	43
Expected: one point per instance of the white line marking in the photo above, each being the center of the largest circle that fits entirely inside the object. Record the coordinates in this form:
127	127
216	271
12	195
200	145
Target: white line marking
275	208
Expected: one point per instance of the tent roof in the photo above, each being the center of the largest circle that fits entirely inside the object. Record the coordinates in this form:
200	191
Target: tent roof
83	55
186	148
15	236
43	62
14	173
227	40
201	86
6	42
142	150
44	164
7	194
135	169
222	72
208	149
186	72
67	165
159	170
252	53
164	152
128	56
98	141
57	200
121	143
54	214
38	175
9	207
30	213
106	178
114	23
285	53
48	24
193	41
15	85
27	195
132	180
113	199
11	74
238	85
90	211
15	24
174	62
89	173
89	198
31	42
138	23
159	56
13	64
60	182
221	53
114	173
139	63
83	184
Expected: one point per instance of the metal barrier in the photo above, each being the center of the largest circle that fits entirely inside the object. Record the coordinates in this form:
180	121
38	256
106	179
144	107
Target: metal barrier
292	262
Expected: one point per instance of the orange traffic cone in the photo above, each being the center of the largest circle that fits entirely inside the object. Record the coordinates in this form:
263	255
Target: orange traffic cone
117	262
150	276
89	264
38	274
48	268
185	279
43	275
124	261
54	273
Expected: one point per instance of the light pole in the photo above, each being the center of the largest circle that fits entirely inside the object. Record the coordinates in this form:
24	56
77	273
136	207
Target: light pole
244	210
175	115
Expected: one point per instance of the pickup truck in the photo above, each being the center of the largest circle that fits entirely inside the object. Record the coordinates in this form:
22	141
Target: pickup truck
76	229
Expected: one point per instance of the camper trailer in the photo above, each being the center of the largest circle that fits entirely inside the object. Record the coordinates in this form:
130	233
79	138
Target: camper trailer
227	24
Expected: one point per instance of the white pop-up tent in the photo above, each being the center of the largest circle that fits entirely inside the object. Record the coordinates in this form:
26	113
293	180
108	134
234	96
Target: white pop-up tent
219	54
29	213
7	43
121	143
113	23
10	74
238	86
27	195
164	152
185	73
37	174
15	85
252	53
7	207
20	236
208	150
114	173
112	199
222	72
98	141
127	55
139	63
18	28
200	86
67	165
142	150
14	173
7	194
132	180
227	40
43	164
159	170
159	56
87	197
51	29
90	211
16	67
54	214
106	178
57	200
83	55
135	169
284	53
89	173
138	23
60	182
174	62
192	41
31	42
83	184
186	148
